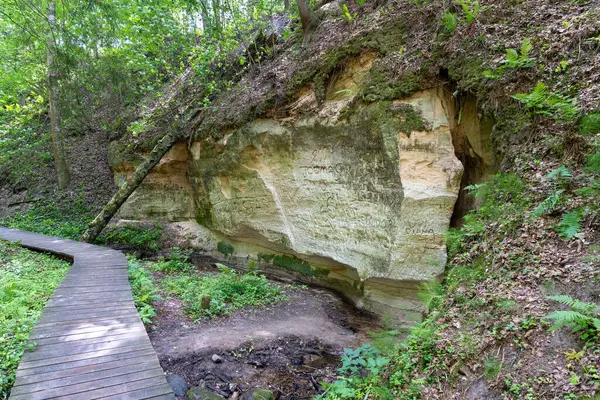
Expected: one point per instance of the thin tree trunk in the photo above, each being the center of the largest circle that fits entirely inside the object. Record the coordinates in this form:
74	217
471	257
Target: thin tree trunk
128	187
62	170
307	17
216	5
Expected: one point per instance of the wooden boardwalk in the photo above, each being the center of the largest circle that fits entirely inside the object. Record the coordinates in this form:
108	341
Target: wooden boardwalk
91	343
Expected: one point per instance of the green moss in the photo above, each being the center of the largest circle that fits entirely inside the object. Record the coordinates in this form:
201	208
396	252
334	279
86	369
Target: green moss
468	72
381	86
590	124
131	235
385	40
225	248
293	263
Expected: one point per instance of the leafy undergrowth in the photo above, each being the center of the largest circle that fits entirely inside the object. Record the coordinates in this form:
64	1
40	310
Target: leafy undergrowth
204	296
517	315
70	219
143	289
27	280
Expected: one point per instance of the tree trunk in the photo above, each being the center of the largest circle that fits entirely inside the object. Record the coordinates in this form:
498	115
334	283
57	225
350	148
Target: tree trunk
307	17
216	5
127	188
62	170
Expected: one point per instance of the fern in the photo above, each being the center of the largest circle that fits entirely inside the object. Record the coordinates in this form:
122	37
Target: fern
548	205
560	172
526	47
575	304
541	101
570	225
514	60
582	317
470	9
563	318
593	162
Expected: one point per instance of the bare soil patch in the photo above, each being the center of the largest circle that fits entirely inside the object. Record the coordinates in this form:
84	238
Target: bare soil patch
288	347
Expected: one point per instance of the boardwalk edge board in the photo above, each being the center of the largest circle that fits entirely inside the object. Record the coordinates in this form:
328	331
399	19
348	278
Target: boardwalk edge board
92	342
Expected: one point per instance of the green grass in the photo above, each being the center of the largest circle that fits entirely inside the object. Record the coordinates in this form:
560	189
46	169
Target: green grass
67	220
228	291
70	219
143	289
27	280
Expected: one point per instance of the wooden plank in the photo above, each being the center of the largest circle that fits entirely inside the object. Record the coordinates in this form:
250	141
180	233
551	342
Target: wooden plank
91	342
95	337
42	369
80	357
86	321
48	376
81	315
68	349
117	370
98	388
162	392
103	326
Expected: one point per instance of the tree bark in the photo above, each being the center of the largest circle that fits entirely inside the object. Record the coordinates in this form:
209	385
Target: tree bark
128	187
307	17
62	170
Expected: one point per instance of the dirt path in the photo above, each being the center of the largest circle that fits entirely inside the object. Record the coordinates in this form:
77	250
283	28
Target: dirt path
287	347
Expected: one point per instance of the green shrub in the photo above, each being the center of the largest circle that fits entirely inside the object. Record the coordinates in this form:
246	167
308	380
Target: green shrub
228	291
449	21
590	124
543	102
570	225
549	204
514	60
225	248
131	235
67	220
492	367
582	317
470	9
27	280
143	289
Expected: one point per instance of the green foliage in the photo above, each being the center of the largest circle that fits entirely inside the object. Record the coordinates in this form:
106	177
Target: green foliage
570	225
419	3
67	219
582	317
27	280
360	370
24	144
549	204
502	200
228	291
293	263
131	235
346	14
590	124
470	9
514	60
492	367
449	21
543	102
225	248
559	174
143	289
593	161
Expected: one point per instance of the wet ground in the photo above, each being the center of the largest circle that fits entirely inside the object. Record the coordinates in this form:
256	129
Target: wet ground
288	347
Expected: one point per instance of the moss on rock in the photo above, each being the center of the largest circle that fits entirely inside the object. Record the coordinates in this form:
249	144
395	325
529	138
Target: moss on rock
293	263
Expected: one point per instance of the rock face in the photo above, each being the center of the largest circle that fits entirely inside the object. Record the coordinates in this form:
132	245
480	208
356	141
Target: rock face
352	195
